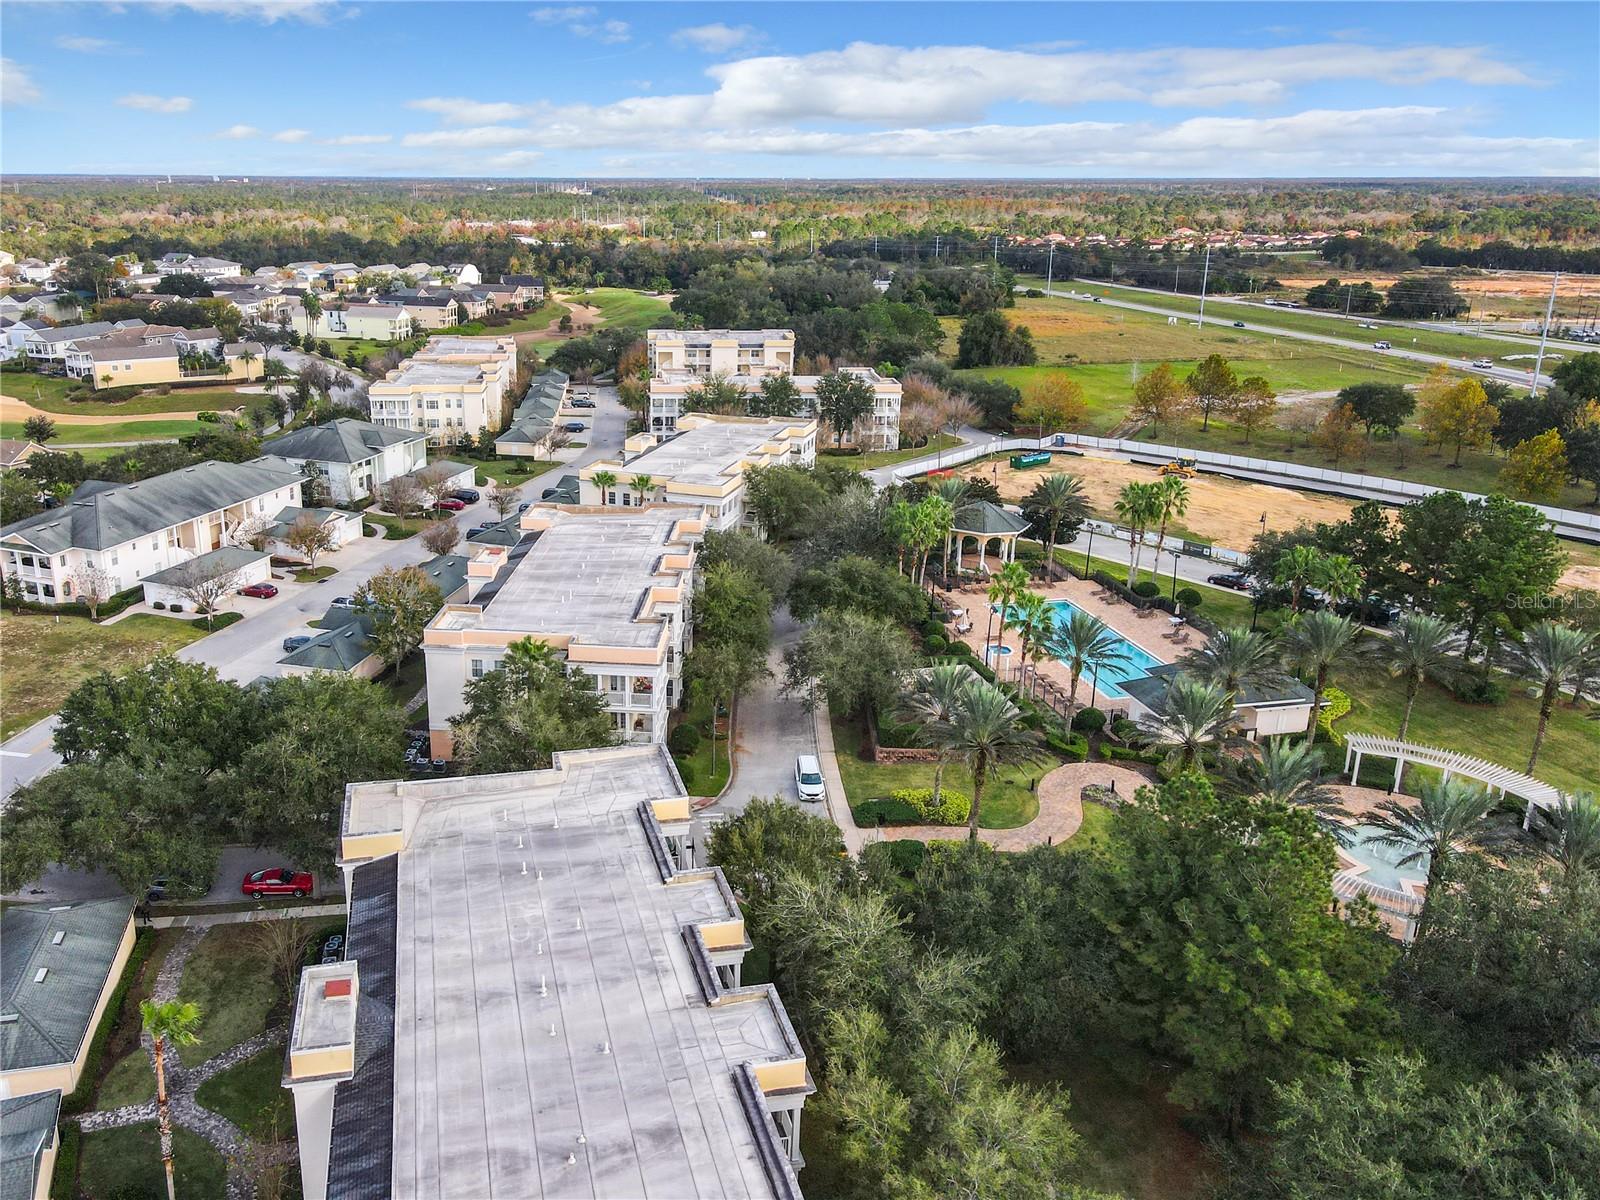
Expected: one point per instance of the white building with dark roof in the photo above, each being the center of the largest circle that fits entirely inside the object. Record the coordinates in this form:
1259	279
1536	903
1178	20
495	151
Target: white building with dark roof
541	997
355	458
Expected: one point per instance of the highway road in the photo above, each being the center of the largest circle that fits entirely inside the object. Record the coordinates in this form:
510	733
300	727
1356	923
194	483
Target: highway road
251	648
1507	374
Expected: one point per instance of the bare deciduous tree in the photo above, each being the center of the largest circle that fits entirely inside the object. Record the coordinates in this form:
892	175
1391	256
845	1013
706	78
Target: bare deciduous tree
309	538
401	496
441	537
280	946
94	587
251	531
203	588
502	499
435	483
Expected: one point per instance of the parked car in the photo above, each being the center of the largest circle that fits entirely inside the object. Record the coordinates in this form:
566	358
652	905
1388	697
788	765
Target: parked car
1236	580
470	495
342	602
451	504
544	495
574	427
1096	299
1374	610
260	591
1483	364
1382	346
581	402
808	777
278	881
1238	324
527	504
291	644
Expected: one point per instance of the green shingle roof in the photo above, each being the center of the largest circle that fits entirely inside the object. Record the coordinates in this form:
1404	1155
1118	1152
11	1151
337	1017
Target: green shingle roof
27	1126
44	1021
343	440
340	649
982	516
208	565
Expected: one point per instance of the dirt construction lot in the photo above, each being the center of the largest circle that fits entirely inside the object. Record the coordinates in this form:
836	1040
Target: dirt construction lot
1224	511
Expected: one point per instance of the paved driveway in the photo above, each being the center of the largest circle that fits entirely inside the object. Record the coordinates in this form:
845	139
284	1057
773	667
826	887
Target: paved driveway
773	729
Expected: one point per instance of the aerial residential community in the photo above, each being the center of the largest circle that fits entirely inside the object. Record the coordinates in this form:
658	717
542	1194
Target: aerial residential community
875	602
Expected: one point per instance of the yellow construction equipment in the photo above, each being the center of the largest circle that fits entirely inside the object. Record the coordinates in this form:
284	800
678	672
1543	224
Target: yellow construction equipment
1184	468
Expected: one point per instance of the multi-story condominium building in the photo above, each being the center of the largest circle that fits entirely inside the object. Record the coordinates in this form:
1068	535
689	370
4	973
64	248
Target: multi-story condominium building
379	322
434	308
119	361
133	530
541	995
451	389
528	434
703	464
354	458
191	264
671	393
609	589
754	352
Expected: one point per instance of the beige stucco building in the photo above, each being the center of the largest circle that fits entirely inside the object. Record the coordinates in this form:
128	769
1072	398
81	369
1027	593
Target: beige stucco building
451	389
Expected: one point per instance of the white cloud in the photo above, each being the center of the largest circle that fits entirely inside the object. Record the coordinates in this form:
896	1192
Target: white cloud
513	159
358	139
476	137
455	110
717	38
583	20
239	133
92	45
16	85
268	12
291	135
156	104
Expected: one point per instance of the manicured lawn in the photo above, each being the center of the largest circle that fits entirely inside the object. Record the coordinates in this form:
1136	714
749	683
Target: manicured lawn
508	472
1093	832
621	306
394	528
41	391
131	1080
1008	801
307	575
887	458
112	431
235	992
252	1096
125	1164
698	776
1501	733
43	659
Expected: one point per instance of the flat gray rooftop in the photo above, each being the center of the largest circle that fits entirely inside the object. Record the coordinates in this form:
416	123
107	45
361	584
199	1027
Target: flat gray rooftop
462	345
415	372
587	576
544	991
707	453
704	337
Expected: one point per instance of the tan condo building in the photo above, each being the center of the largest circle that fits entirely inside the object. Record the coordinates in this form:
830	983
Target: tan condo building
671	393
451	389
608	588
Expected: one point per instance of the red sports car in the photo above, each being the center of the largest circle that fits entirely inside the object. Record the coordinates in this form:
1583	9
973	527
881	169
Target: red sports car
451	504
278	881
261	591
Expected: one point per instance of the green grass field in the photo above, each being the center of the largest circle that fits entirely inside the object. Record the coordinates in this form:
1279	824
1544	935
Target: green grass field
125	1164
112	431
1008	801
887	458
235	992
500	470
252	1096
621	306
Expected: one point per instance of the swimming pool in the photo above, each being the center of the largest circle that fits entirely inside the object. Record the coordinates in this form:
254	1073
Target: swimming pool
1380	864
1138	661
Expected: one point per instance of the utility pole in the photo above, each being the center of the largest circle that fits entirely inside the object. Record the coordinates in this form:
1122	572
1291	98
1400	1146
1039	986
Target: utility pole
936	247
1050	269
813	243
1176	268
1205	275
997	249
1544	334
1349	291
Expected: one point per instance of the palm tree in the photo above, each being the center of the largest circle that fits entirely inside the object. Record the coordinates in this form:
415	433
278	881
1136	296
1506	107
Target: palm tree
313	309
1191	714
1085	643
1339	577
932	703
1286	771
643	485
1573	839
1169	499
1234	657
1417	650
1315	645
1008	583
1033	619
1136	506
1449	815
1297	568
1057	500
986	732
273	371
605	481
247	356
1554	656
171	1022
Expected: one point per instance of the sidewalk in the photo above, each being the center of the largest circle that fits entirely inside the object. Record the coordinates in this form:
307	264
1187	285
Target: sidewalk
838	804
244	916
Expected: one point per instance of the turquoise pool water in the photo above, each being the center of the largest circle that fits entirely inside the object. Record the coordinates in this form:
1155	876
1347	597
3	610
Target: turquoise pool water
1381	862
1138	662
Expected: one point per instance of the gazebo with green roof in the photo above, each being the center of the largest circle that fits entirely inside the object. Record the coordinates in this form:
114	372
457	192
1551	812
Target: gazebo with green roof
985	522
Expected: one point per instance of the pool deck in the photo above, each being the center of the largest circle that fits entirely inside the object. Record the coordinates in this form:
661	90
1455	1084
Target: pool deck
1149	629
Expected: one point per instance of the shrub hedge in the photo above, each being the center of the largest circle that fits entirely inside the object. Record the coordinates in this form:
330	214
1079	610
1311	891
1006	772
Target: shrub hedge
871	813
684	740
1109	750
108	608
954	806
83	1095
1336	705
1089	720
64	1180
1147	589
1479	689
1190	598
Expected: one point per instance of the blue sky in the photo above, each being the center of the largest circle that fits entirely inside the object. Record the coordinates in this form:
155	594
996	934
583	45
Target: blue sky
304	87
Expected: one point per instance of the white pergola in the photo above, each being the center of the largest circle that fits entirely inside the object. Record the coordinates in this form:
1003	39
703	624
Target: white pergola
1498	779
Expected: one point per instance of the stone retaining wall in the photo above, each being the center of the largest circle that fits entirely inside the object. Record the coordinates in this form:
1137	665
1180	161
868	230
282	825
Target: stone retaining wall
904	754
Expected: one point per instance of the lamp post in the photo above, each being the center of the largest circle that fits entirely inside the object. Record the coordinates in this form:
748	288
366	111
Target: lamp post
1255	610
1094	685
1174	576
1088	553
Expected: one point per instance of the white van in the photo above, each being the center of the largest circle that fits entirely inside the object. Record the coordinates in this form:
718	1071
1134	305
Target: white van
808	777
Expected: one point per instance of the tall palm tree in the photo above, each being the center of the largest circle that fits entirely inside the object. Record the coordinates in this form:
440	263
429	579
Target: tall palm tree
1573	836
643	486
1136	506
605	481
273	371
1170	499
1234	657
1297	568
953	491
246	357
1033	619
170	1023
986	732
1058	499
1086	644
1191	714
1288	772
931	704
1417	650
1554	656
1316	644
1009	582
1449	815
1339	577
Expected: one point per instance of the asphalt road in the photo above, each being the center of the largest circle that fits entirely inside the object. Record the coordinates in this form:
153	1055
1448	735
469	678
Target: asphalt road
773	729
1507	374
251	648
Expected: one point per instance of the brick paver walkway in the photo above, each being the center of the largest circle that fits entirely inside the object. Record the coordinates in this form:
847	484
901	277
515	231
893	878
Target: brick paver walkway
1060	810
